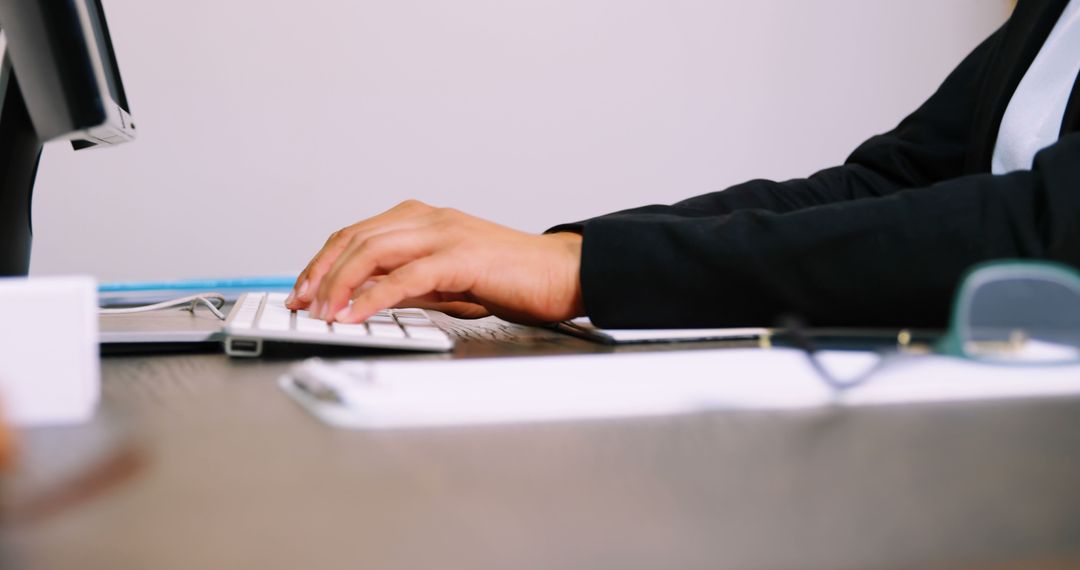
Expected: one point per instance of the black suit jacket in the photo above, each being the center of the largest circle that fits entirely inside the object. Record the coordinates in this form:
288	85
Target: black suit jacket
881	241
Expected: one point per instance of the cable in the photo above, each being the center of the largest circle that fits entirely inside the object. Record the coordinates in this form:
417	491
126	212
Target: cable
213	301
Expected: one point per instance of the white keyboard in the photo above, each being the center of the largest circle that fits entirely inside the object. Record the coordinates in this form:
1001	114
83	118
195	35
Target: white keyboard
259	317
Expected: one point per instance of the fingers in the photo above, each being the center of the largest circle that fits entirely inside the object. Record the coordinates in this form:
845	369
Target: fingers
460	305
411	280
325	261
381	253
308	281
300	288
459	309
453	304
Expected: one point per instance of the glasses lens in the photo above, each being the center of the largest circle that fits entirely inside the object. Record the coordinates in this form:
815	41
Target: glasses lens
1024	320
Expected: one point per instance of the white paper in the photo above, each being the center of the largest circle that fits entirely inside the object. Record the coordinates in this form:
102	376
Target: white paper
404	394
49	363
946	379
389	394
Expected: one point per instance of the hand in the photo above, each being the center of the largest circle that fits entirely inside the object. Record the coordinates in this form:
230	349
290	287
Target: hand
438	258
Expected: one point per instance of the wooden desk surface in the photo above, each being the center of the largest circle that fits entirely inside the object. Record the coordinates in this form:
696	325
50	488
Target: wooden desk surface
238	476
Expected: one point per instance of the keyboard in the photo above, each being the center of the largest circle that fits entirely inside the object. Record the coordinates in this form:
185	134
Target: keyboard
263	317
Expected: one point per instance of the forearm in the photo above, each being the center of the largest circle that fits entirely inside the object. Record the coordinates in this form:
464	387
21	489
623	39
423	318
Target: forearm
884	261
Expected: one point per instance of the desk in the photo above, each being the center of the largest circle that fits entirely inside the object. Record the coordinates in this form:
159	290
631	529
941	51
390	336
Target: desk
238	476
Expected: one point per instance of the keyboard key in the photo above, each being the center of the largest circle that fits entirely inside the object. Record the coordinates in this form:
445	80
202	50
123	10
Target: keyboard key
244	319
407	321
382	319
309	325
264	316
274	321
275	309
350	330
244	314
426	333
383	330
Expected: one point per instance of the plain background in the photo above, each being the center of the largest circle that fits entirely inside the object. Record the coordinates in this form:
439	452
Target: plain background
266	124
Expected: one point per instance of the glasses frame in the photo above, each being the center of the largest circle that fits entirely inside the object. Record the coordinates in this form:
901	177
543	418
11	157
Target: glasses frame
952	344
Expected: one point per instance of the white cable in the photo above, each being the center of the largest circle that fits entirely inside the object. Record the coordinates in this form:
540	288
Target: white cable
208	299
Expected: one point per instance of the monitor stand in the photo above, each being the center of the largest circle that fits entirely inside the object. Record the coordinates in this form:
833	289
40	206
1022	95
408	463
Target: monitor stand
20	151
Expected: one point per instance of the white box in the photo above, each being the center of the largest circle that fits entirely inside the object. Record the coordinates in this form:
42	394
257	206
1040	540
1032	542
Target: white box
50	367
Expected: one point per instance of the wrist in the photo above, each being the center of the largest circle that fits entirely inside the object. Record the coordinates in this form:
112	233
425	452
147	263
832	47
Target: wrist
569	246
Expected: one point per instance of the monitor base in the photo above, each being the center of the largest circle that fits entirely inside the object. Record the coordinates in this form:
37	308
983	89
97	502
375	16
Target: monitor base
20	152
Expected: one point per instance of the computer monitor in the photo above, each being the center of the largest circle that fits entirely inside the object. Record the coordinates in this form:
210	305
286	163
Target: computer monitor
58	81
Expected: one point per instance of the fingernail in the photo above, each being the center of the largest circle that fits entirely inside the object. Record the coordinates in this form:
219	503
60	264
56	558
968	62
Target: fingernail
291	297
303	288
343	314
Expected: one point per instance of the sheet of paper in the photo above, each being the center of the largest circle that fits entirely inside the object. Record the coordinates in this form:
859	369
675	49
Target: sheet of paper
403	394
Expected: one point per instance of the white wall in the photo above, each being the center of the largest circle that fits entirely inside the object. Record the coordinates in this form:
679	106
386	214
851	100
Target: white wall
266	124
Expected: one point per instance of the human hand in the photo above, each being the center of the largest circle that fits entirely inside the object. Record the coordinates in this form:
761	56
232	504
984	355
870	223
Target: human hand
417	255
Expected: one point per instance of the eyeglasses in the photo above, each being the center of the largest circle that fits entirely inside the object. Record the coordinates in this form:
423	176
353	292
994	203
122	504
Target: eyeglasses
1017	312
1011	312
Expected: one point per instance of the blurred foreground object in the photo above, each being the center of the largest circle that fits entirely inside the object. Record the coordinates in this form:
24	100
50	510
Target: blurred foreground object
58	469
49	363
1017	312
1011	312
7	446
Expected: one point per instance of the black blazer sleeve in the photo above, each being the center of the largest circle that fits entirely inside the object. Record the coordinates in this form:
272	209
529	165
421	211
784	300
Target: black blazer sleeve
886	261
879	241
